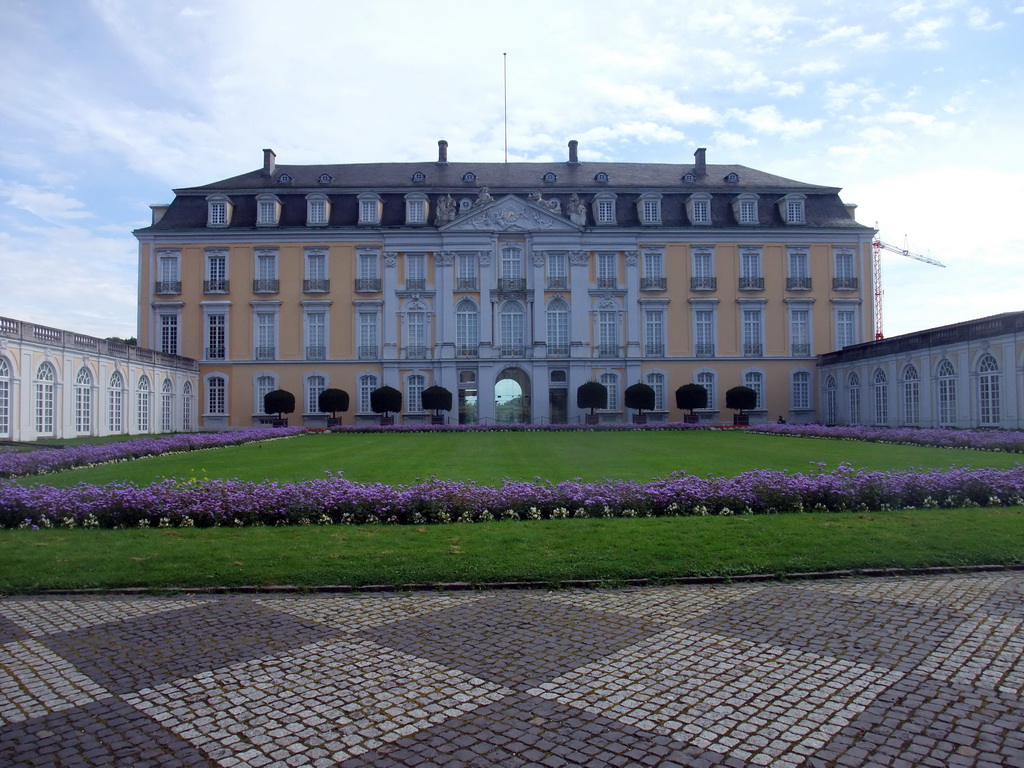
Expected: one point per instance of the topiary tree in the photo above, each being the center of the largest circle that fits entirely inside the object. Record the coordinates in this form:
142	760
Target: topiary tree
279	401
385	401
436	399
640	397
592	394
690	396
332	400
741	399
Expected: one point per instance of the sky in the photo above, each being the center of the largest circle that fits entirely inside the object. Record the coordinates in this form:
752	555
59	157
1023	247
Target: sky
914	110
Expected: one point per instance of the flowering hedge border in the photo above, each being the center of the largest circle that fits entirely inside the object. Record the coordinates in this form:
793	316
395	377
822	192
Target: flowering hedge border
43	460
335	500
1008	441
662	426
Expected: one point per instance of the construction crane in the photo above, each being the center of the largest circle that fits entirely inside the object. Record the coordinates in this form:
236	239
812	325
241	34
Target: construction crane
878	247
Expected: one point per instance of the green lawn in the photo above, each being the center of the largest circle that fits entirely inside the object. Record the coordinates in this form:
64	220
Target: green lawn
488	457
607	550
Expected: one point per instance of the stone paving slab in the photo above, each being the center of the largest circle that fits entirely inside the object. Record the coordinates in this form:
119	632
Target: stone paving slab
894	672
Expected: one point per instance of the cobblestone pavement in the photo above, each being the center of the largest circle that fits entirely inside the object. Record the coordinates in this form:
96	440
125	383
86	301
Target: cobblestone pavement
914	671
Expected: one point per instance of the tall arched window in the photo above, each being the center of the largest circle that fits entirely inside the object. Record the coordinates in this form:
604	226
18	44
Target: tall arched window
45	378
707	380
611	383
988	391
167	406
217	396
416	332
83	402
558	328
5	398
946	375
142	411
831	406
186	407
755	380
880	389
801	391
656	381
854	383
315	384
467	328
911	395
367	383
511	322
414	393
115	404
264	384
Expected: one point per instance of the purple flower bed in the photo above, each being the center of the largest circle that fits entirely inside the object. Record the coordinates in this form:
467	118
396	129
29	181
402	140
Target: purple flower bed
42	460
335	500
981	440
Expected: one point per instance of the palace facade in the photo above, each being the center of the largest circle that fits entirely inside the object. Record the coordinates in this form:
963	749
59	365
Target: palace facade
509	284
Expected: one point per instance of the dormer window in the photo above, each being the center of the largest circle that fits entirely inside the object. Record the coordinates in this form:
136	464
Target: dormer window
791	208
648	208
469	177
601	177
416	208
268	210
744	208
370	208
698	208
325	178
604	208
689	178
284	178
318	210
550	178
732	178
419	177
218	211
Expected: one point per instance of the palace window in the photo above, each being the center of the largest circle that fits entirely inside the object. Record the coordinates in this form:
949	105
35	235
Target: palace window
880	390
370	207
268	210
315	384
217	396
316	280
698	208
654	271
946	376
846	328
416	208
169	271
656	381
800	331
266	272
611	383
988	391
791	208
704	331
799	278
744	208
708	380
751	276
467	328
115	404
216	272
142	400
753	332
557	317
755	381
262	386
83	402
703	278
604	208
44	397
911	395
366	342
5	398
167	406
318	209
367	383
845	277
801	387
648	208
218	211
414	386
854	387
654	333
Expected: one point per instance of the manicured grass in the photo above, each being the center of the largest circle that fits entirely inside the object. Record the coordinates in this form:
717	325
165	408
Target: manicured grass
489	457
609	550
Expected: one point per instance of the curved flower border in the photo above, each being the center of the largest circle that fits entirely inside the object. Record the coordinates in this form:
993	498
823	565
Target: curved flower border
1009	441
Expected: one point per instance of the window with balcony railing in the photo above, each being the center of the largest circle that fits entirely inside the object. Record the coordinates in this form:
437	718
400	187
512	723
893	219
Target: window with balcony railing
415	283
511	351
466	350
751	283
654	350
801	350
511	283
557	283
465	283
844	283
557	350
266	285
798	283
215	286
607	350
416	352
704	350
607	282
317	285
168	287
215	353
265	353
653	283
368	284
316	352
703	283
751	349
367	353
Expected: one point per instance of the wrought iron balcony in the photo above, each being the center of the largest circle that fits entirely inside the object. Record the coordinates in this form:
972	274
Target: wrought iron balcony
416	352
316	285
607	282
466	350
368	284
558	283
514	351
654	350
465	283
266	353
367	353
798	283
751	283
704	350
844	284
608	350
215	286
267	285
752	350
558	350
801	350
168	287
215	353
316	352
415	284
653	283
511	283
703	283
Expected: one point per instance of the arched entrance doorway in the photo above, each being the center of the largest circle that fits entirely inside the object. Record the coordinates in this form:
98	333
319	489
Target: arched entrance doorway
512	397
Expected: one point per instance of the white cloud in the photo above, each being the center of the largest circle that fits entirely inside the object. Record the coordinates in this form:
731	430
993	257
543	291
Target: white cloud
925	33
48	206
980	18
768	119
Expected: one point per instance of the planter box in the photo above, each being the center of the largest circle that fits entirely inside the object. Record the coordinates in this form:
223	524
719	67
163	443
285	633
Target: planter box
639	418
333	422
437	419
387	421
691	418
279	422
739	420
592	418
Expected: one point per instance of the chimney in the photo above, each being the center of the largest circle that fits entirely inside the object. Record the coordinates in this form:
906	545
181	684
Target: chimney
573	159
268	162
699	166
442	152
